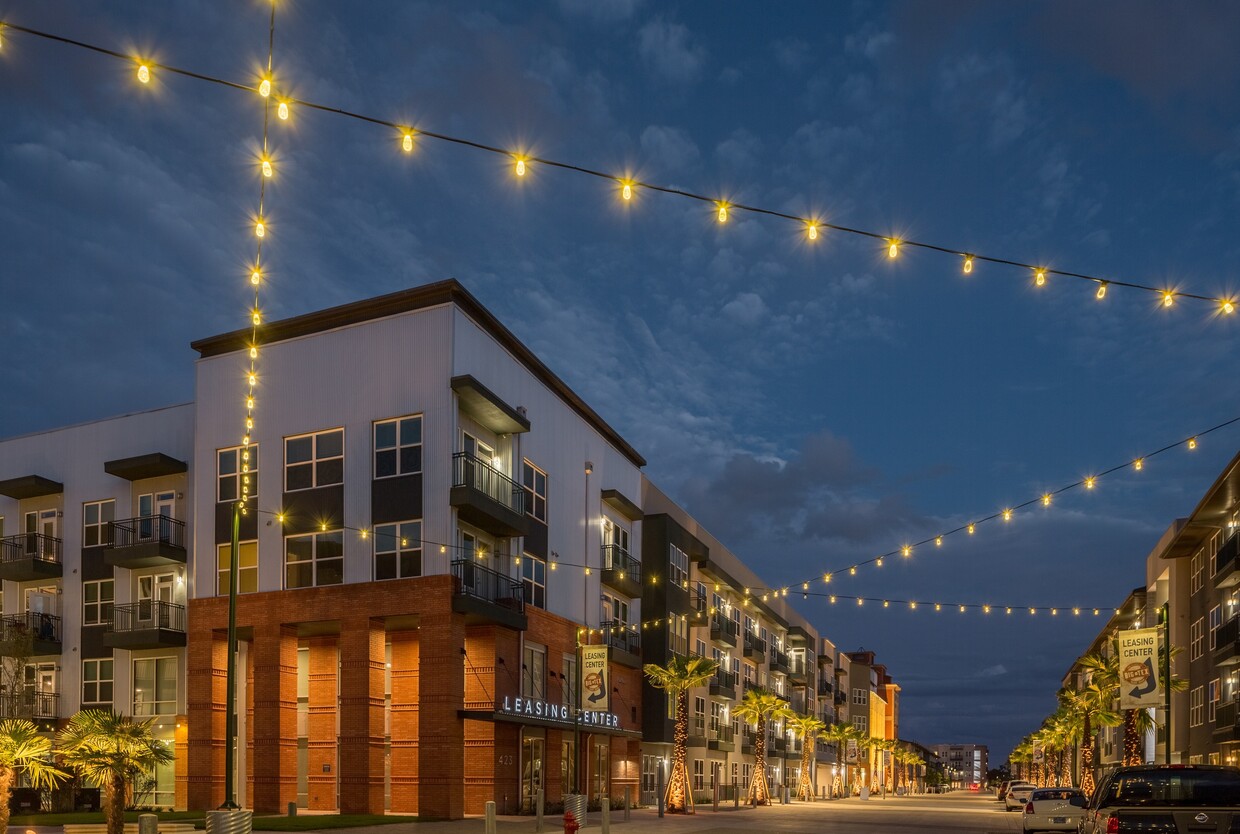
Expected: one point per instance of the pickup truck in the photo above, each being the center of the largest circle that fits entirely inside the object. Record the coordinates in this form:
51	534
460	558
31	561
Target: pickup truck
1175	799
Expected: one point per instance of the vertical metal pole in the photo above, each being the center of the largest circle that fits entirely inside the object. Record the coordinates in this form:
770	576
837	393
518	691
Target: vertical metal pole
577	729
1166	681
230	698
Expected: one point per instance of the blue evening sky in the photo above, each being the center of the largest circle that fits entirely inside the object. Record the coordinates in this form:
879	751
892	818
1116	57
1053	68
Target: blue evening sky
812	404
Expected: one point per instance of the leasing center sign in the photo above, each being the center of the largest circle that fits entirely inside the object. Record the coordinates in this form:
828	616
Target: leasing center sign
1139	686
548	711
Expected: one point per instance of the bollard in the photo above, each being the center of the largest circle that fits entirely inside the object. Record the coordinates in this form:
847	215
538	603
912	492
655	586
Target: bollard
292	809
538	811
489	826
714	784
736	795
605	808
628	801
148	824
659	789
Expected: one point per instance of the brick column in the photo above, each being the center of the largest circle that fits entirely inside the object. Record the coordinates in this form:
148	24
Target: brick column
361	716
206	666
274	763
321	724
441	731
404	722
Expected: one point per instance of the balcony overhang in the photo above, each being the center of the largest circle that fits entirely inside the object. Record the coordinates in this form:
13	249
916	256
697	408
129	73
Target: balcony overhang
800	635
30	569
30	486
140	467
479	509
147	554
1209	516
484	612
487	408
617	500
144	638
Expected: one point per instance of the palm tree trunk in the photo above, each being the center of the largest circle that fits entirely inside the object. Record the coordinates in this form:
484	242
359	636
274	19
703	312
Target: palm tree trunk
679	798
805	785
1087	758
1132	739
6	790
759	791
114	791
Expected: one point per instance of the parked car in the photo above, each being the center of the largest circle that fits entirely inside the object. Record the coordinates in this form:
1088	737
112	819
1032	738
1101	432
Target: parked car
1001	789
1017	795
1203	799
1054	809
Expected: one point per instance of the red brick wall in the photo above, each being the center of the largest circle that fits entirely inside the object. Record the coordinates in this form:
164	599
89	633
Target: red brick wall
404	721
321	723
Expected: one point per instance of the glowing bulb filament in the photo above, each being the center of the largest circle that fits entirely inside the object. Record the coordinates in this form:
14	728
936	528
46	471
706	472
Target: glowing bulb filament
258	319
144	73
893	250
1102	290
723	213
1039	277
1138	464
1229	306
267	172
627	192
1007	515
907	550
520	167
812	231
256	276
406	145
260	229
282	111
1046	500
971	529
1192	443
1089	482
968	264
1168	298
264	87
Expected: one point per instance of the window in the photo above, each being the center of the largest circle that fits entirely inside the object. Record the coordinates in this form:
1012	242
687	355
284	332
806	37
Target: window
398	550
1195	699
862	723
751	673
155	686
97	599
699	716
96	522
314	559
568	687
861	696
1196	568
231	465
534	672
534	481
97	681
678	636
678	567
699	775
1197	638
699	647
534	578
398	447
615	610
1212	700
1216	620
247	568
314	460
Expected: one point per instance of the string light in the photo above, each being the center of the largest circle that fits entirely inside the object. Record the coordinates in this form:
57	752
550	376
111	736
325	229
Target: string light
1007	514
265	164
811	231
1102	290
1089	482
938	541
968	264
406	145
893	244
972	528
1138	464
626	190
722	215
1046	500
256	276
1039	277
260	229
906	551
1228	306
264	87
1192	443
282	111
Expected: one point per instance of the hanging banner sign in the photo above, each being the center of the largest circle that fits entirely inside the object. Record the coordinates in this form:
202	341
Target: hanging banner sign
595	679
850	753
1039	754
1139	684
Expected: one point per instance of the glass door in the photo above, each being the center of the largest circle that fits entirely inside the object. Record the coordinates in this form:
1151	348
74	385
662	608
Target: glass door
155	593
531	771
44	523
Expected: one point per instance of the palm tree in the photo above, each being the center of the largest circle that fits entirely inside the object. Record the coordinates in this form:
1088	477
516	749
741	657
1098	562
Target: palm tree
881	746
679	676
1104	670
1091	704
23	750
760	706
839	735
112	750
808	728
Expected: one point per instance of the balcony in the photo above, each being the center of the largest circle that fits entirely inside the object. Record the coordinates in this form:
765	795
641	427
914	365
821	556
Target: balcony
1227	569
626	644
621	571
487	498
146	542
779	661
723	630
1225	721
698	602
27	557
722	738
1227	643
723	684
149	624
779	744
42	630
825	688
755	646
697	731
748	739
487	597
798	671
841	697
40	707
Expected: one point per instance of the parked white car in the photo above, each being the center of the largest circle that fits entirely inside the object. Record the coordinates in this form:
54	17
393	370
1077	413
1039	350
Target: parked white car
1017	796
1054	809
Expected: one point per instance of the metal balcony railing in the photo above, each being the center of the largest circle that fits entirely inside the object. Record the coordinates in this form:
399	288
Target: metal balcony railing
722	732
33	624
697	726
29	703
147	614
778	658
825	688
621	636
754	642
1225	559
617	558
1226	636
147	529
479	475
699	602
30	546
474	580
723	625
725	679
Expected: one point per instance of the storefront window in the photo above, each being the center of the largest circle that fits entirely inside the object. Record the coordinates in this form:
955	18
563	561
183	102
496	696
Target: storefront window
568	767
531	770
599	781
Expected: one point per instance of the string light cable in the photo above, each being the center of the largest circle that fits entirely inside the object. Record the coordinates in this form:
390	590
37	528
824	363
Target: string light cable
814	228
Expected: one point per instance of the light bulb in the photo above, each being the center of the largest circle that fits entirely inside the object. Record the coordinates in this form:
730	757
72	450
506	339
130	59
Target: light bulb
253	379
144	73
968	264
520	167
1229	306
1168	298
1192	443
938	541
258	319
253	355
249	403
1089	482
723	212
255	277
1007	515
894	249
1102	290
971	529
813	231
264	87
1	36
1138	464
406	145
907	550
627	192
1039	277
1046	500
260	228
282	111
267	168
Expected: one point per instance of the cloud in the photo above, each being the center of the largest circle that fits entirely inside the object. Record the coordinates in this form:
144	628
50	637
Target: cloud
792	54
669	148
600	11
975	89
739	150
667	50
748	309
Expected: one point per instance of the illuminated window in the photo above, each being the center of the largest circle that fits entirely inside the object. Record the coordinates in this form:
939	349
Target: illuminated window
97	682
247	568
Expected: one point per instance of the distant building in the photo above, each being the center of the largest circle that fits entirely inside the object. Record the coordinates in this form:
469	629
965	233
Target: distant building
964	764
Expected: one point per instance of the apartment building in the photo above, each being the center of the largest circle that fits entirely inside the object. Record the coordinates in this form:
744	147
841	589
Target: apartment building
716	608
873	709
94	539
964	764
